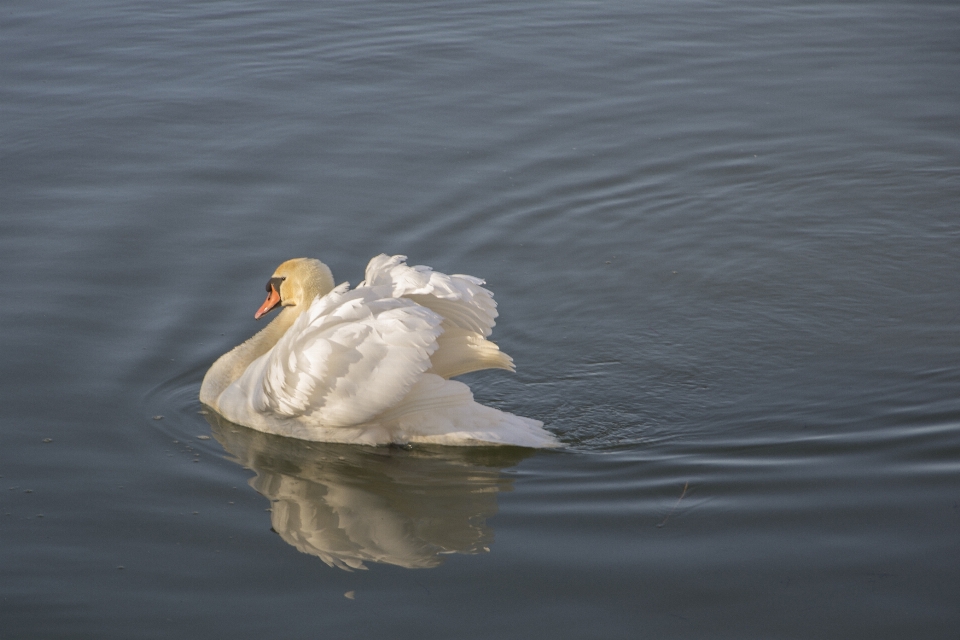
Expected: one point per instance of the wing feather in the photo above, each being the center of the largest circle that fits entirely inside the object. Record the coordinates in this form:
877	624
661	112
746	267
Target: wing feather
459	298
350	356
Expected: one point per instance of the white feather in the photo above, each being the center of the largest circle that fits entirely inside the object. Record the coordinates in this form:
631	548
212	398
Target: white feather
458	298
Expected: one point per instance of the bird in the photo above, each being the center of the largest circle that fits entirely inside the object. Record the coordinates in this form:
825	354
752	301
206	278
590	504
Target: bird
371	365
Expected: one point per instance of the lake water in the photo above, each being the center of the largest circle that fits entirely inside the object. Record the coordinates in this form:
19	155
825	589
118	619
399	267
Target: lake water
725	242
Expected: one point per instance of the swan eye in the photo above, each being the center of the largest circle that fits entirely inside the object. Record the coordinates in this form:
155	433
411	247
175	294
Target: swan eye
274	283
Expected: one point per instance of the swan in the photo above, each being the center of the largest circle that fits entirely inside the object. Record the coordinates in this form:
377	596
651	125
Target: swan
369	365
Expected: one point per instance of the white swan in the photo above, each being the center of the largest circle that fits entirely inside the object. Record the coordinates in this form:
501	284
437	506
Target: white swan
369	365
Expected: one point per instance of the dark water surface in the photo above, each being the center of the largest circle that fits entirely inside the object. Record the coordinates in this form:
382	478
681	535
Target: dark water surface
725	242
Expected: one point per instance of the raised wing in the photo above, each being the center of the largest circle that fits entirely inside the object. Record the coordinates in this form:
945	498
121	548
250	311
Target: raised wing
468	312
458	298
350	356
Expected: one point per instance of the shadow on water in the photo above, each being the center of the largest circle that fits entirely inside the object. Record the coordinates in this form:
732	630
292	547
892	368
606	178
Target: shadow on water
349	504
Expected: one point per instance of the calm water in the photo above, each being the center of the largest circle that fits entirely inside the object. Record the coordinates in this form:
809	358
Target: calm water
725	242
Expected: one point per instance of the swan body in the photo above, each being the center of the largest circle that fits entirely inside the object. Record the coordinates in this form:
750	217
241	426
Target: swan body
369	365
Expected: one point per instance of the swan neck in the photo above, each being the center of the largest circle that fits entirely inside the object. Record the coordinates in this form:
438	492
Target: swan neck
263	340
231	365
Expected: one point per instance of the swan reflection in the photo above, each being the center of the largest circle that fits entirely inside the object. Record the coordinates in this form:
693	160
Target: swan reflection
349	505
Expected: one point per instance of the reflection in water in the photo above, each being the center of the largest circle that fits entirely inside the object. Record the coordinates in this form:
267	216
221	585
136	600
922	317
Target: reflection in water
348	504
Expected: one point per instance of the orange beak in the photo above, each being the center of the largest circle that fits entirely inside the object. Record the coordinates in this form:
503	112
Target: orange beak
273	299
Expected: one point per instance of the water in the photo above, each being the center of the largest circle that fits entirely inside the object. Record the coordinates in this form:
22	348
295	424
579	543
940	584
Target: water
723	238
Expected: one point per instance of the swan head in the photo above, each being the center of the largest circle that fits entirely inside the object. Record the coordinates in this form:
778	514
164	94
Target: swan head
296	282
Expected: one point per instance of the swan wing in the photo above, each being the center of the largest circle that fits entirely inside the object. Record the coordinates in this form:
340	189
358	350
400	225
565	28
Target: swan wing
460	299
350	356
468	310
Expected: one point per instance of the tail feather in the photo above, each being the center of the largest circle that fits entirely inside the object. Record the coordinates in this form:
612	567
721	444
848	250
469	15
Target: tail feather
441	411
461	351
